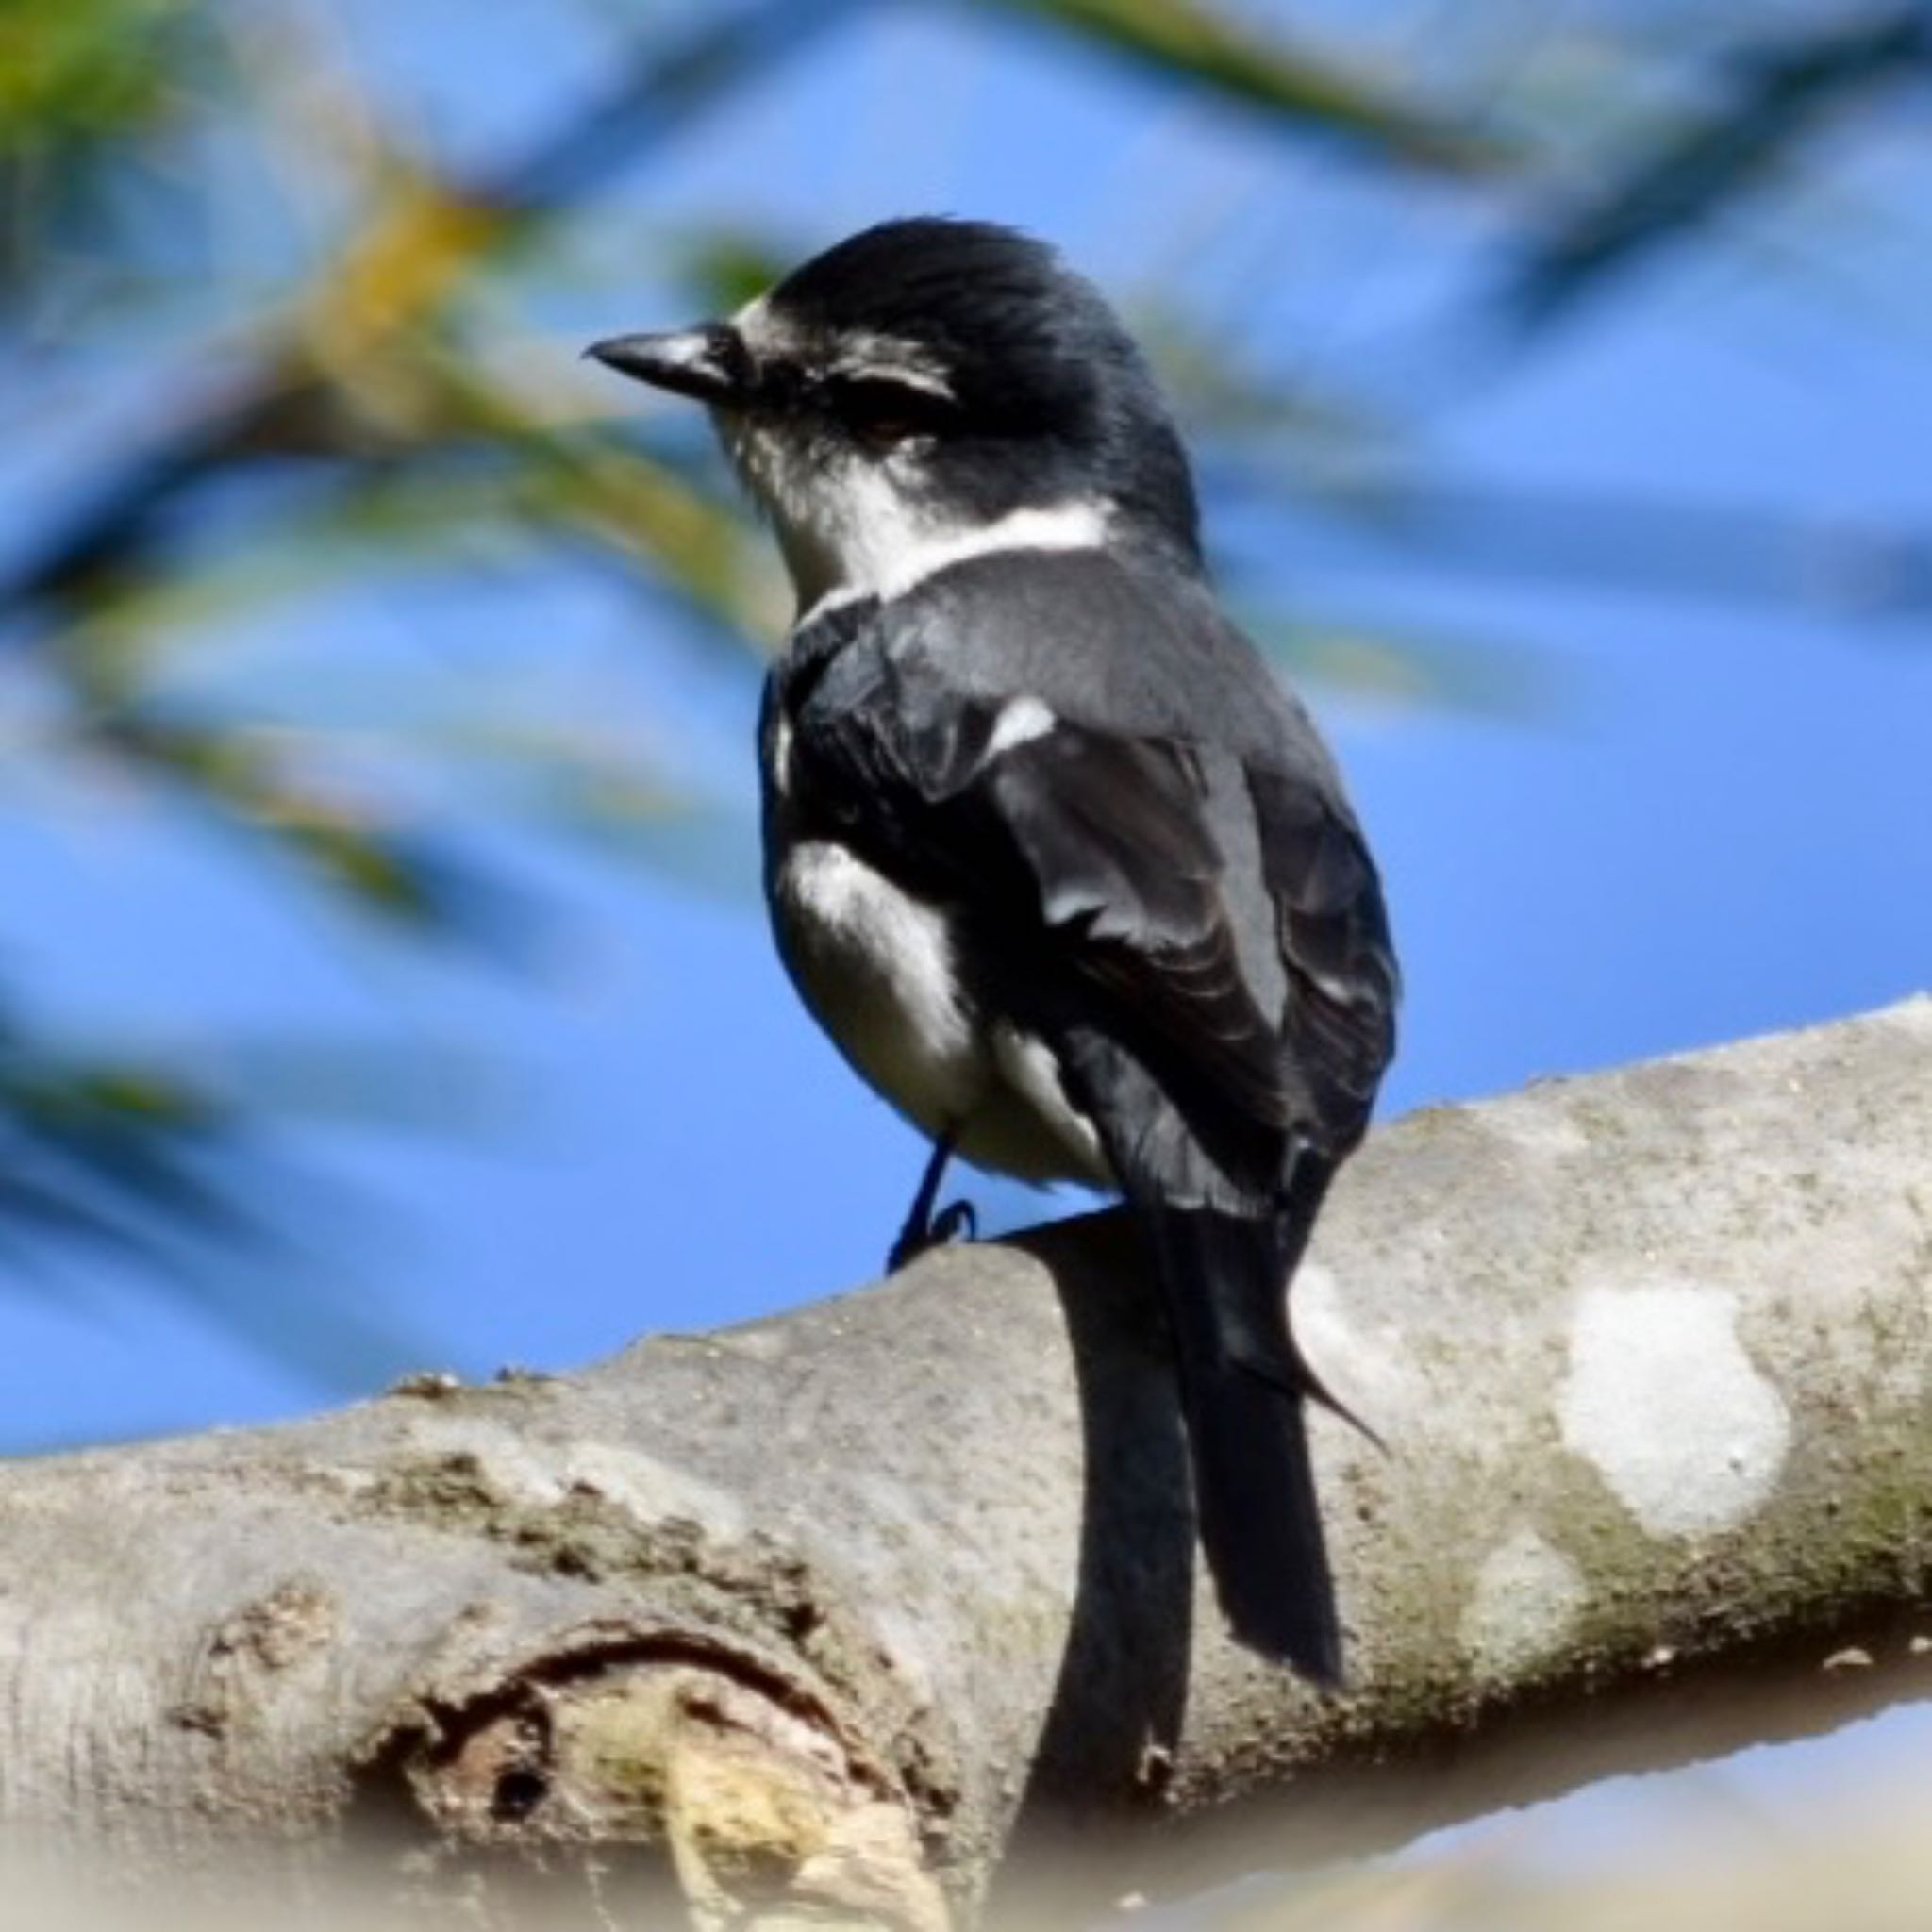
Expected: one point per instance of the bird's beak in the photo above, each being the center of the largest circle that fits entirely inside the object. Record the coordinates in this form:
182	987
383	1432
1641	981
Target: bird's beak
707	363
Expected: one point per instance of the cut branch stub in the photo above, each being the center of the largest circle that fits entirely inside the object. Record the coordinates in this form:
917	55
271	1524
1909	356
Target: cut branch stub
764	1812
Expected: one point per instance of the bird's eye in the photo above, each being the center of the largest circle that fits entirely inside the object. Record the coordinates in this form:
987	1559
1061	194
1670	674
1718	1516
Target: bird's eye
882	414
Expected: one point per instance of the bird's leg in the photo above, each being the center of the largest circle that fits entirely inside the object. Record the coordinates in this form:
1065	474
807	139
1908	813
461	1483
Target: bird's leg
924	1229
957	1221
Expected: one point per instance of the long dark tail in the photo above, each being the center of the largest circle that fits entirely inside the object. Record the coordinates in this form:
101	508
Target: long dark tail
1243	1386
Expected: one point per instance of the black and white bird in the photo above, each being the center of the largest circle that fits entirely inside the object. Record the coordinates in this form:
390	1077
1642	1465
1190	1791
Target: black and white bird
1062	869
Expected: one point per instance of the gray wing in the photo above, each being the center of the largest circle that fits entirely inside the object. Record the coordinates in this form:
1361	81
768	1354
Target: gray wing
1091	872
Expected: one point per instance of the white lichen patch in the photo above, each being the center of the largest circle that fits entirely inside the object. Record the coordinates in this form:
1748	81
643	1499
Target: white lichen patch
1662	1398
1523	1606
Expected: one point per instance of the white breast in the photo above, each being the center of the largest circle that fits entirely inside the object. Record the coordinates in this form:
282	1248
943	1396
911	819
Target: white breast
878	969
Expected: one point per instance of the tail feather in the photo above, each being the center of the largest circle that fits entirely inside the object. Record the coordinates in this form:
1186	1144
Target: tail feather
1243	1386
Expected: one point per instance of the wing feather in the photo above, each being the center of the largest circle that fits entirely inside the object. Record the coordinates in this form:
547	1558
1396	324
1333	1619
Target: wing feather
1095	854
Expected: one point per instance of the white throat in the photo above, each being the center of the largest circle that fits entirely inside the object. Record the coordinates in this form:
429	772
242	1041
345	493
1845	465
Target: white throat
888	558
851	528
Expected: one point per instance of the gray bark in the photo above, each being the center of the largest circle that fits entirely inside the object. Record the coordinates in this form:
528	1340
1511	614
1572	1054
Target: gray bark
841	1611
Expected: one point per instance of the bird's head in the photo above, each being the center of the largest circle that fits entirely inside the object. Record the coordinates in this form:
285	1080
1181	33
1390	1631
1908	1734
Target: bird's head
925	390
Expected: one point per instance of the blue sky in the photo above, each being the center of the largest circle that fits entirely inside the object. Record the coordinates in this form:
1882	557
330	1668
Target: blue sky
1711	820
1708	821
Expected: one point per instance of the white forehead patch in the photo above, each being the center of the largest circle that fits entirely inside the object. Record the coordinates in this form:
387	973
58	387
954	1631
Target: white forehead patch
754	321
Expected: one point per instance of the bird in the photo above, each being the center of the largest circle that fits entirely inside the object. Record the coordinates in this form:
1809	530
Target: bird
1064	869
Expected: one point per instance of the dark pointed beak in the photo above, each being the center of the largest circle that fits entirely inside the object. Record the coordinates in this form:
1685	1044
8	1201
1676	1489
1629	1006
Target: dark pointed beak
707	363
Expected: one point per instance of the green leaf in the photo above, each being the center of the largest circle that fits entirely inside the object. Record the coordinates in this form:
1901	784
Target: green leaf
71	68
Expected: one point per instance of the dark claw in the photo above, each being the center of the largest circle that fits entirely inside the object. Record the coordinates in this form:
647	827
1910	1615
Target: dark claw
959	1221
920	1232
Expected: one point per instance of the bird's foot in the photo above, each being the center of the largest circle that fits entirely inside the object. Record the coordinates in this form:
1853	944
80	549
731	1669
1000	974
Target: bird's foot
957	1221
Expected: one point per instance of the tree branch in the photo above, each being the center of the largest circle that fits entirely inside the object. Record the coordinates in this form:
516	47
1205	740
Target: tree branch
832	1611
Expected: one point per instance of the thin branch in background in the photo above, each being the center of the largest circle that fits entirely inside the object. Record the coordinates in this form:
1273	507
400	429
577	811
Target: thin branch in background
1314	93
129	1162
1607	542
1774	96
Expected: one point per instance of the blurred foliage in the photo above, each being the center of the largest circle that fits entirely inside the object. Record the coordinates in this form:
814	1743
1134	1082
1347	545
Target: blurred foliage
359	380
1176	41
1708	1862
1768	97
88	89
147	1165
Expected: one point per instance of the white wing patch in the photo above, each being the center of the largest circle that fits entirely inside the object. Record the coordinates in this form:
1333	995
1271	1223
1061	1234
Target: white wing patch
1020	722
780	760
